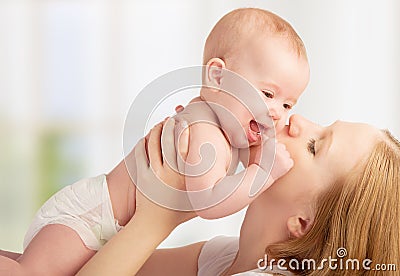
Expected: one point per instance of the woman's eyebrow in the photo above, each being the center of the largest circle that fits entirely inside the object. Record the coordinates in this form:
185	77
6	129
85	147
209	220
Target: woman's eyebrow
327	142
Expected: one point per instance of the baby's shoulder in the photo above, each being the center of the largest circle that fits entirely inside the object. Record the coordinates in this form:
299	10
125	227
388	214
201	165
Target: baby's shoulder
198	111
204	131
204	126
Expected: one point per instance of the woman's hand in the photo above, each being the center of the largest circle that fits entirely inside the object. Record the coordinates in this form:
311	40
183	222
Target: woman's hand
179	108
129	249
155	175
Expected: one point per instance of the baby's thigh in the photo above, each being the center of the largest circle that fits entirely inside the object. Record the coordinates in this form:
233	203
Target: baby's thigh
55	250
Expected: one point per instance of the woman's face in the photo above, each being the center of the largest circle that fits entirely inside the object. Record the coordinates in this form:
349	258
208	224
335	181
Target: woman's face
321	155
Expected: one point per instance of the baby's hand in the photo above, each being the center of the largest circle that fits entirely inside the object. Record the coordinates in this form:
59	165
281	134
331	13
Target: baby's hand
281	163
269	154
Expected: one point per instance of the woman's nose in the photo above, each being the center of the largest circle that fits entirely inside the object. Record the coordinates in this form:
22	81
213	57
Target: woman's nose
297	124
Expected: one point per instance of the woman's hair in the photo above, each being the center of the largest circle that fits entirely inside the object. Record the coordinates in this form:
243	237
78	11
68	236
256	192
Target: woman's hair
357	220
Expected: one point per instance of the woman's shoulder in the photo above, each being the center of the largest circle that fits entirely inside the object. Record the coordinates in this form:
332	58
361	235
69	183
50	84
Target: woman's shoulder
224	244
257	272
253	273
217	254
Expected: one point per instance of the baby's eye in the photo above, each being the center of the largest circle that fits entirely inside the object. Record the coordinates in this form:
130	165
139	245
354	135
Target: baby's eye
287	106
268	94
311	146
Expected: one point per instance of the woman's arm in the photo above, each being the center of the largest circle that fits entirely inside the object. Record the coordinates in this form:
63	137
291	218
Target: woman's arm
127	251
9	254
173	261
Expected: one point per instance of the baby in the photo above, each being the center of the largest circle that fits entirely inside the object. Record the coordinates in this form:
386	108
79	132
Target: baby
266	51
255	44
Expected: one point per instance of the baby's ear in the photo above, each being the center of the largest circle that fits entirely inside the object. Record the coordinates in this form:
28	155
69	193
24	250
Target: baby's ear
214	72
298	225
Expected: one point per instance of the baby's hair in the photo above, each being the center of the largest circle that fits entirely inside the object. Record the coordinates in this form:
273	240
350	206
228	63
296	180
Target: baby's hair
236	26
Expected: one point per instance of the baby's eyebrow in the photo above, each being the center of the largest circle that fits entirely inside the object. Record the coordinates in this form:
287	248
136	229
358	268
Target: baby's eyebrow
270	86
294	101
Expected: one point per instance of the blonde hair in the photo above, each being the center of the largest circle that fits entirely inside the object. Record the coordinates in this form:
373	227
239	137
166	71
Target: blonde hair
361	214
236	26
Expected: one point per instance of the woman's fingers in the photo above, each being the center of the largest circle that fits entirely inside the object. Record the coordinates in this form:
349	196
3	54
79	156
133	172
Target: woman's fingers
168	144
154	147
183	139
179	108
146	144
140	156
182	144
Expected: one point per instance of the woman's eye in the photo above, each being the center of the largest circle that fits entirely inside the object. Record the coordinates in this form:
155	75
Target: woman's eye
311	146
268	94
287	106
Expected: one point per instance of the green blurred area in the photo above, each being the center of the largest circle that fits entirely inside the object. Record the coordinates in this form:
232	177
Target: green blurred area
54	164
33	166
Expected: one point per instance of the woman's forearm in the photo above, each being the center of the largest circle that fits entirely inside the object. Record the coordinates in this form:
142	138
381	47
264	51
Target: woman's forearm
127	251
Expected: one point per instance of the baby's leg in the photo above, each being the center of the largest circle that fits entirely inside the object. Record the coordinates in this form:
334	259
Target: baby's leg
122	190
55	250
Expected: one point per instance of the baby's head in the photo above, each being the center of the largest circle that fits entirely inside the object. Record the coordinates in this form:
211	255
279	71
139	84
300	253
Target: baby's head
265	50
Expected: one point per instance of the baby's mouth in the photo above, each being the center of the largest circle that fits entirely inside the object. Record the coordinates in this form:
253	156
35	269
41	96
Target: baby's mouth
254	126
255	131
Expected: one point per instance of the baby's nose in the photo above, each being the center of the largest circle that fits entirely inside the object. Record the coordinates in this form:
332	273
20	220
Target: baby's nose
273	113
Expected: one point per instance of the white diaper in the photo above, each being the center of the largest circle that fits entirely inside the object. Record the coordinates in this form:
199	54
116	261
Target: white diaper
84	206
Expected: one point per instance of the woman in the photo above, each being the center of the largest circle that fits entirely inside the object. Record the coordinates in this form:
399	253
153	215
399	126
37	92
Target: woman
342	192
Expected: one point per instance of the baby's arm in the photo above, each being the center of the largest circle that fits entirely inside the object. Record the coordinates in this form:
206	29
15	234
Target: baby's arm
228	194
214	162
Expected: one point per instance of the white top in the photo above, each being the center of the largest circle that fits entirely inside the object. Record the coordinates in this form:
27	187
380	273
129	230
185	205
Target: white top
218	254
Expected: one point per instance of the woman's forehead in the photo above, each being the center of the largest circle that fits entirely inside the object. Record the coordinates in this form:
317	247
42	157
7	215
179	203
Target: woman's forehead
351	143
349	131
